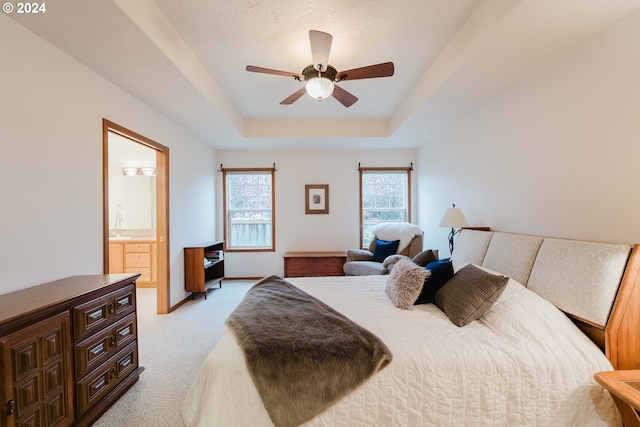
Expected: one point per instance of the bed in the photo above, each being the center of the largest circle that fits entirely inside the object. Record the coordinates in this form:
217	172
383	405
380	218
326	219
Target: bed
569	310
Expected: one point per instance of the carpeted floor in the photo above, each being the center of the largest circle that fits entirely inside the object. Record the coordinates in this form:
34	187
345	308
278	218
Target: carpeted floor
172	348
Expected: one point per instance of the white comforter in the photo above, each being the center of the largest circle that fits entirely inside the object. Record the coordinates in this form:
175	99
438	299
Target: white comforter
523	364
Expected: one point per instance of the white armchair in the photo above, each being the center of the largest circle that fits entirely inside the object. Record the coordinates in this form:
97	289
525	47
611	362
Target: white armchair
383	249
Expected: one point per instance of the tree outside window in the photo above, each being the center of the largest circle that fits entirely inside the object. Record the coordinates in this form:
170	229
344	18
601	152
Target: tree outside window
385	197
249	218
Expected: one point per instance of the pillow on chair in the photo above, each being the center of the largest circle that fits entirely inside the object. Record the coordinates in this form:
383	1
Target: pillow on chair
385	248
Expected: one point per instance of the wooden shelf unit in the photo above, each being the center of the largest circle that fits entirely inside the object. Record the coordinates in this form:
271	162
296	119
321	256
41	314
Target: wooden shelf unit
199	276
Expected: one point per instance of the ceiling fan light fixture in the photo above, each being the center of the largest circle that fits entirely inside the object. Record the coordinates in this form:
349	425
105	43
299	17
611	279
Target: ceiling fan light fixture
319	87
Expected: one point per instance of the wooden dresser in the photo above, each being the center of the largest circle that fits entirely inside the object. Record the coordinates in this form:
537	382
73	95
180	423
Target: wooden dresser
68	349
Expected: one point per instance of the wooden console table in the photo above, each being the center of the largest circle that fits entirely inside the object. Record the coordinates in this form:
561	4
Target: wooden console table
314	264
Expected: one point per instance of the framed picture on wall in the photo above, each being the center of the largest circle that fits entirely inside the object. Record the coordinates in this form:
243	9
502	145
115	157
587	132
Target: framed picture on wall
316	199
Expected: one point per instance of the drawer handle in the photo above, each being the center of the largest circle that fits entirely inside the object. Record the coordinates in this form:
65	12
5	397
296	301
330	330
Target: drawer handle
123	301
10	406
95	315
125	332
126	362
97	350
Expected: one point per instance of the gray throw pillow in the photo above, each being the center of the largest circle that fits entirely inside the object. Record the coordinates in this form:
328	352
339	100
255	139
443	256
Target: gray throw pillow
405	283
425	257
469	294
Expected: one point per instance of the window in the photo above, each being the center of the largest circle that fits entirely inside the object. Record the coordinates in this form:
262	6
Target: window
384	197
249	214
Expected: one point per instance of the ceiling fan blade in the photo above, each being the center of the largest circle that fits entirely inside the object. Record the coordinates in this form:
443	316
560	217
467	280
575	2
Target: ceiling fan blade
293	97
254	69
320	47
385	69
343	96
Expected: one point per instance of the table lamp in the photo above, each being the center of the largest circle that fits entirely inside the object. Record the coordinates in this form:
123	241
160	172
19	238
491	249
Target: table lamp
453	218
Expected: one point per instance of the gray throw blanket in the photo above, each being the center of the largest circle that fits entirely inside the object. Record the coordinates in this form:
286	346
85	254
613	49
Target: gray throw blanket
302	355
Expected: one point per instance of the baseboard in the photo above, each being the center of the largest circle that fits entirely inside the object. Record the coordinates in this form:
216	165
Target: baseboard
179	304
226	279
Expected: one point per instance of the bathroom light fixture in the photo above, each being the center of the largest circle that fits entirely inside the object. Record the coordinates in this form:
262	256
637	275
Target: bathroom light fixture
454	218
146	171
129	171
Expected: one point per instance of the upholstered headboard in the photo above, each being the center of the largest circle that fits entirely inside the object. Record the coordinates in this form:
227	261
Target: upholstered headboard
581	278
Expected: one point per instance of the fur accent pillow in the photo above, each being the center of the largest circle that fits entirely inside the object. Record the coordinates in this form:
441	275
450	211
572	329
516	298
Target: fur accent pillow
469	294
405	283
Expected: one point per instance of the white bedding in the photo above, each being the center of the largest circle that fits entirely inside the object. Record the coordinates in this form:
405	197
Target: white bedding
523	364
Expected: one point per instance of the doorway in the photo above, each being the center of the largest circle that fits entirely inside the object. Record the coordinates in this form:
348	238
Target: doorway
136	209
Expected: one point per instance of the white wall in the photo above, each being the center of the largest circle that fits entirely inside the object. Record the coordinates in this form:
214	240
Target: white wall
557	155
295	230
51	112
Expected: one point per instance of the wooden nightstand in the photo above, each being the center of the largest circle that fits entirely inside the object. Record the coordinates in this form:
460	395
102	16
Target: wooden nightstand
624	387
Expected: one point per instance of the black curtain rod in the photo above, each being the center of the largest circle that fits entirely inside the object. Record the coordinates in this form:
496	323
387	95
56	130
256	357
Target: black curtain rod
360	167
222	169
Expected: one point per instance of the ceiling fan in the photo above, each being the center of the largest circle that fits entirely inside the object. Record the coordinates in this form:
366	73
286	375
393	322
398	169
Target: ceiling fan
320	77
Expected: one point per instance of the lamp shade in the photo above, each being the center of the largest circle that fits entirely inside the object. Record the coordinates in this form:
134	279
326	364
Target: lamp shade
319	87
453	218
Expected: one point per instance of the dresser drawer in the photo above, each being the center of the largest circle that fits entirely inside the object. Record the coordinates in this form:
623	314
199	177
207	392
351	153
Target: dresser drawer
98	314
137	247
138	260
96	349
105	378
145	273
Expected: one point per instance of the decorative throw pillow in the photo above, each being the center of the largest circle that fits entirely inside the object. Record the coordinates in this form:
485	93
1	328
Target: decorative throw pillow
359	255
384	248
405	282
390	261
469	294
425	257
441	271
